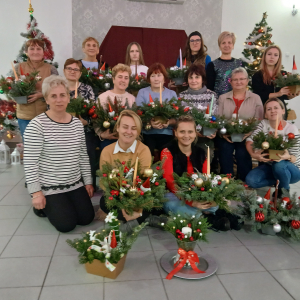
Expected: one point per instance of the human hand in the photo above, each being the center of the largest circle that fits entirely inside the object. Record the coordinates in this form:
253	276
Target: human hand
246	135
212	136
156	124
32	98
38	200
202	205
84	122
185	84
291	96
285	156
284	91
107	135
166	124
226	137
200	134
135	215
259	156
171	84
90	190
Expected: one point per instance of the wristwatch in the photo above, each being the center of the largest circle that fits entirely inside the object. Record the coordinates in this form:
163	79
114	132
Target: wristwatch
141	214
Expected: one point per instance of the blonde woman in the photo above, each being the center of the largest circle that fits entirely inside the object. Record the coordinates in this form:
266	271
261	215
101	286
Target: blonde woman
134	56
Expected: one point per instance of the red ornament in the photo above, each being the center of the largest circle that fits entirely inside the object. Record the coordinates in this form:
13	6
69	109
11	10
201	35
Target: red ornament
189	225
126	169
111	198
178	231
10	117
104	175
198	230
91	111
260	30
176	107
157	183
179	237
157	168
295	224
191	239
259	217
139	112
114	193
9	87
202	189
192	186
269	42
246	185
289	206
142	193
84	106
149	104
261	205
94	116
219	182
179	98
250	43
291	136
115	118
123	162
186	109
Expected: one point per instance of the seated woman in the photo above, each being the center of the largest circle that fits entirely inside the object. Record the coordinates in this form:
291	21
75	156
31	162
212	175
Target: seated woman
128	146
72	72
246	105
183	155
200	97
120	76
286	168
160	133
56	163
134	58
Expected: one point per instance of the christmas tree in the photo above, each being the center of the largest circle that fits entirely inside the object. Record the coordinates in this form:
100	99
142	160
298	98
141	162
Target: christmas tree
258	40
34	33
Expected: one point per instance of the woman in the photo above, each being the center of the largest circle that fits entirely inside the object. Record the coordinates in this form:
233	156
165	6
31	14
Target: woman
160	133
246	105
183	155
72	72
195	51
286	168
57	169
134	58
129	147
200	97
218	71
120	75
36	105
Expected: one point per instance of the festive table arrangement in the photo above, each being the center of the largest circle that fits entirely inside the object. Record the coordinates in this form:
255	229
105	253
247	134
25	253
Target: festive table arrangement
292	81
104	253
8	119
81	107
177	74
137	82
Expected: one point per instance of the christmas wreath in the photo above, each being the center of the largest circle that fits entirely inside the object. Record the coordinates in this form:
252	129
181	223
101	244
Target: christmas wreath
81	107
125	187
208	188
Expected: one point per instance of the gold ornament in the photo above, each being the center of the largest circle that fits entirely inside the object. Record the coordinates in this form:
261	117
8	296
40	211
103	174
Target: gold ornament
265	145
9	136
198	182
190	189
88	250
85	241
106	124
148	127
225	179
255	62
209	190
148	172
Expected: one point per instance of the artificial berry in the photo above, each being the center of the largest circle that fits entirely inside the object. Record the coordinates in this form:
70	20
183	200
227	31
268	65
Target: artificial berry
261	205
142	193
115	118
123	162
191	238
104	175
178	231
84	106
198	230
157	183
219	182
111	198
179	237
192	186
157	168
179	98
149	104
202	189
94	107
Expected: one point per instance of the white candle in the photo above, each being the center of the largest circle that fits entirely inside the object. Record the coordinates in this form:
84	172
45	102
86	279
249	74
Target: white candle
211	105
187	231
180	58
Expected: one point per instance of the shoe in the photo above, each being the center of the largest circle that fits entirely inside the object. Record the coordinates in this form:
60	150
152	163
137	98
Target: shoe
128	227
218	223
39	212
235	224
156	221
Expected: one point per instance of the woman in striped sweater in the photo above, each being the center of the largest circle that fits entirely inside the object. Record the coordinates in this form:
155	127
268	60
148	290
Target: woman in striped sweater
56	163
286	167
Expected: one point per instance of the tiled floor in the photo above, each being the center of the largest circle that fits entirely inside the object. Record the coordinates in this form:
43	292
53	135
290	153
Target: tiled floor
36	263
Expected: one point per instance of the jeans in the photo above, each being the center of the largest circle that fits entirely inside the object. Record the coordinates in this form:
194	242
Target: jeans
243	158
156	141
175	206
267	174
105	143
22	125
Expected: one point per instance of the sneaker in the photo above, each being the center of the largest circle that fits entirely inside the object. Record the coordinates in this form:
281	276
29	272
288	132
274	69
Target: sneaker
156	221
39	212
127	227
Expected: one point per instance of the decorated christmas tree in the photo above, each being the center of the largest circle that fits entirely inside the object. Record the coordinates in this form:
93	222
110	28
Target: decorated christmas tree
256	43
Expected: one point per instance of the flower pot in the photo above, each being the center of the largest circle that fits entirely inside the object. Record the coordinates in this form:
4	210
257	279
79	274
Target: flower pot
21	99
207	131
187	246
178	81
294	89
237	137
267	229
160	119
273	153
291	115
99	268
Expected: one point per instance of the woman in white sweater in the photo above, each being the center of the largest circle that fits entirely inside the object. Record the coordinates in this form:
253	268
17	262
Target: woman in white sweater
56	163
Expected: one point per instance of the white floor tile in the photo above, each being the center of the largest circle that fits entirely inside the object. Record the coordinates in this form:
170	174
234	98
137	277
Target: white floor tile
29	293
36	226
13	212
9	226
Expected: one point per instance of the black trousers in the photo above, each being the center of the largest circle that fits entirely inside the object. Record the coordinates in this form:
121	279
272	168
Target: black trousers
157	141
66	210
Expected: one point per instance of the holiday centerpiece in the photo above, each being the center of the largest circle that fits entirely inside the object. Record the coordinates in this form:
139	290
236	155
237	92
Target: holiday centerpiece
78	106
137	82
5	85
177	74
292	81
8	118
271	217
128	187
104	253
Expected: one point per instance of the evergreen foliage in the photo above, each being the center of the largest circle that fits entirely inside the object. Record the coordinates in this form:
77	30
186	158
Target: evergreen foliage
80	107
175	72
240	126
287	80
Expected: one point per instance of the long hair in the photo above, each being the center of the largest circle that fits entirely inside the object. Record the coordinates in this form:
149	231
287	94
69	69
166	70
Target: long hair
200	56
263	66
127	57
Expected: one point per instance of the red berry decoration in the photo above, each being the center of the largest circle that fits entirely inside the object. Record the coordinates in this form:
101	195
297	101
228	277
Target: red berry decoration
178	231
261	205
123	162
104	175
250	43
94	107
219	182
202	189
84	106
192	186
157	168
189	225
291	136
198	230
289	207
157	183
10	117
191	239
142	193
259	217
295	224
186	109
91	111
139	112
179	98
115	118
94	116
149	104
269	42
9	87
111	198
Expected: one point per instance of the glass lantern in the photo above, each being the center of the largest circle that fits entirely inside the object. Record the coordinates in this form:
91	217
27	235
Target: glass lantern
4	153
15	157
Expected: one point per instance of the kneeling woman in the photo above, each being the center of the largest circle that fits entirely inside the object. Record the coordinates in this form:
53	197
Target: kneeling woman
128	146
56	163
286	168
183	155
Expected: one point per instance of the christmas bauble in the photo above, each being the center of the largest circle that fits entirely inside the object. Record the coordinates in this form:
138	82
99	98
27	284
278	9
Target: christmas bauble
269	42
276	228
148	172
106	124
107	85
265	145
250	43
198	182
225	179
291	136
259	200
1	91
223	130
148	127
9	136
259	217
295	224
213	118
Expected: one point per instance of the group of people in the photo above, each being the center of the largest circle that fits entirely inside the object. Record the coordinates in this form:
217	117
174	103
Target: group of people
59	154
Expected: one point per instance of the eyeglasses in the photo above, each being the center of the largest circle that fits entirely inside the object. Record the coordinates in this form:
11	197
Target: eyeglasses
195	41
70	69
239	79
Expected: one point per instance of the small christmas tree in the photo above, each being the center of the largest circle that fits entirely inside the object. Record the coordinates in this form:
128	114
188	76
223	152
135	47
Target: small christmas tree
258	40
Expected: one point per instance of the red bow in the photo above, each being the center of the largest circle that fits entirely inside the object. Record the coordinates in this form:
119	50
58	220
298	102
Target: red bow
184	256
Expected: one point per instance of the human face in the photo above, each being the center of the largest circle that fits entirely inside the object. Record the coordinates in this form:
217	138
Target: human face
121	81
273	109
156	79
272	57
90	48
134	54
58	99
185	133
72	72
127	131
195	82
226	45
195	43
239	82
35	53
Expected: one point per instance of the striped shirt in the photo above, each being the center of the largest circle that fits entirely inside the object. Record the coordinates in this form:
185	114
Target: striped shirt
55	156
265	126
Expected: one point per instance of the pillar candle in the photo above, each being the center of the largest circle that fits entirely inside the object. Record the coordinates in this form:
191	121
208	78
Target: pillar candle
160	93
14	70
211	105
180	56
276	127
135	171
208	161
76	87
187	231
136	68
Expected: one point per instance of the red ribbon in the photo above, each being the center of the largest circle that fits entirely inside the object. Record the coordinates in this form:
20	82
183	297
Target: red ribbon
184	256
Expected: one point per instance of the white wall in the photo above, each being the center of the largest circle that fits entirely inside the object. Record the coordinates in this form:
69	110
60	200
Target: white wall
241	16
54	19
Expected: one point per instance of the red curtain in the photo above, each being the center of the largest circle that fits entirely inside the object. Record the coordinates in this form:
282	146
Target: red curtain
158	45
